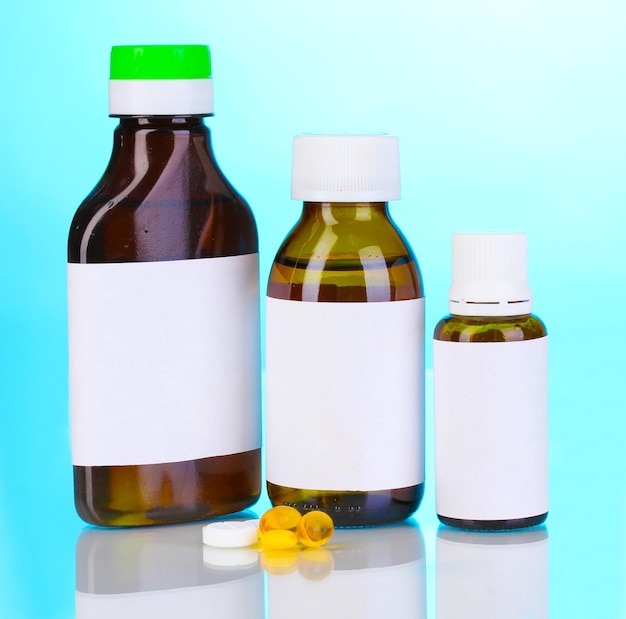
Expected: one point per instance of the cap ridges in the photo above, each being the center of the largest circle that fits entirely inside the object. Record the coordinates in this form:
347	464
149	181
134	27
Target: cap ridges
345	168
489	275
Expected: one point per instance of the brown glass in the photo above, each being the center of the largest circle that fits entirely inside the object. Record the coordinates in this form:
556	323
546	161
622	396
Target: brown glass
347	253
163	197
491	329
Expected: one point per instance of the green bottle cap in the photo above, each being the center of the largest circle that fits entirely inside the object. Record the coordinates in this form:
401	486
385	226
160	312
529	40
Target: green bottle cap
160	62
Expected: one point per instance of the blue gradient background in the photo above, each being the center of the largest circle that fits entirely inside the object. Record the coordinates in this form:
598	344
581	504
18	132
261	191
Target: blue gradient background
511	115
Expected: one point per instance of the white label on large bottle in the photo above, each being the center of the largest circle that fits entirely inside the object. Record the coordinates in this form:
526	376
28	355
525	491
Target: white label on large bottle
491	429
164	360
345	394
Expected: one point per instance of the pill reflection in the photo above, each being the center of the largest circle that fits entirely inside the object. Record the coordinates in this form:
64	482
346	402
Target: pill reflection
315	563
365	573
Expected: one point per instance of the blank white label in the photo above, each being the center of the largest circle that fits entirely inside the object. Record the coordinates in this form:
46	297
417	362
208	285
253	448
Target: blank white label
345	394
164	360
491	429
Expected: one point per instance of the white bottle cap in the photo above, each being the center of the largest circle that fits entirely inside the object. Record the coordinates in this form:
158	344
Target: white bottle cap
345	168
489	276
160	80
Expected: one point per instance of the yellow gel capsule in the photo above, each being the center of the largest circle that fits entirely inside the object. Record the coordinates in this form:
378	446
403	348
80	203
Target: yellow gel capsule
315	529
278	539
283	518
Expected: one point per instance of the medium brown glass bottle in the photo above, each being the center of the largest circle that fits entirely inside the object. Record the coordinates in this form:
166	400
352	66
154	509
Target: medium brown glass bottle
163	290
345	350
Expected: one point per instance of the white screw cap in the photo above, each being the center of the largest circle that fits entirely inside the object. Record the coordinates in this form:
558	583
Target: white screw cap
345	168
489	275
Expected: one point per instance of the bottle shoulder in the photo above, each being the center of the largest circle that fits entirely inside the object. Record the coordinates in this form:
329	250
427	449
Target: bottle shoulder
455	328
167	200
345	253
310	238
161	230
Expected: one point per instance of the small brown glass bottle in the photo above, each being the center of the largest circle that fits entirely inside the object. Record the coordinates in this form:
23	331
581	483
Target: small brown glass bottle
344	367
163	310
491	391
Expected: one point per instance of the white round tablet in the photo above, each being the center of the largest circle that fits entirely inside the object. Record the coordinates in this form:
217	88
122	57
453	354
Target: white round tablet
231	533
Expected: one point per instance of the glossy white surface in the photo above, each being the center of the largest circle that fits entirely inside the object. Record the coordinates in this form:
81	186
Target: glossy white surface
53	566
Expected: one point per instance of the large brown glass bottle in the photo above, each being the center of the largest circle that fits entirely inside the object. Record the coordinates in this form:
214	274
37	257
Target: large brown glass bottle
163	198
346	253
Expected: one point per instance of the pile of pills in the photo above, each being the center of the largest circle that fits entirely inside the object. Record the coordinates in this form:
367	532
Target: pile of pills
280	528
283	527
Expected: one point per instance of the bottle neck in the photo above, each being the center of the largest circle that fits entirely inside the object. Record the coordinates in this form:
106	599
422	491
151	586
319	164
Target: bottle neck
161	122
337	213
153	145
489	318
161	129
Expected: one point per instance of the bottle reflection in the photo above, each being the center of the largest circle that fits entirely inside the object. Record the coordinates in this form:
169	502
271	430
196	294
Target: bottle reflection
492	575
364	573
163	572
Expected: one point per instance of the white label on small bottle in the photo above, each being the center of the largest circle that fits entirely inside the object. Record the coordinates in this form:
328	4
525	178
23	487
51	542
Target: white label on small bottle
345	394
164	360
491	429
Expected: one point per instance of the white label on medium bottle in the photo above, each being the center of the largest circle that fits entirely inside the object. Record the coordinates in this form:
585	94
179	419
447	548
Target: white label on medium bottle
491	429
164	360
345	394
